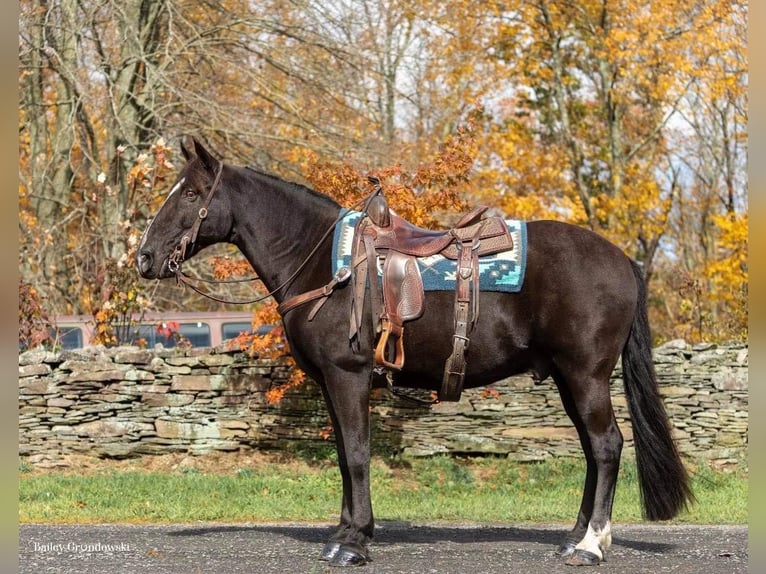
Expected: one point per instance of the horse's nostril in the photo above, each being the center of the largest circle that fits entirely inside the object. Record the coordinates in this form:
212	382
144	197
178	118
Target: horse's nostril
144	261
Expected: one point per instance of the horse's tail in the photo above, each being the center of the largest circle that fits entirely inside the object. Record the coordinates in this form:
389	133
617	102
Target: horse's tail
663	481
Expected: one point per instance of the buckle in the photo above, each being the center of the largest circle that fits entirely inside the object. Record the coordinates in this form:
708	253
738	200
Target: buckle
342	275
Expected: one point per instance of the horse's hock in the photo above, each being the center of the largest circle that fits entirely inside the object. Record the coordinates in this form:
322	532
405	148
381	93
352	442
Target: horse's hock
127	402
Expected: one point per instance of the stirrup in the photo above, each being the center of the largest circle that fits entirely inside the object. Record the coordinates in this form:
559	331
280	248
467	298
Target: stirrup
382	347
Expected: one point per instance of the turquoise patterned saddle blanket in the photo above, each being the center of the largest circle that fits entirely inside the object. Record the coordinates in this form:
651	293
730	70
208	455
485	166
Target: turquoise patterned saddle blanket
499	272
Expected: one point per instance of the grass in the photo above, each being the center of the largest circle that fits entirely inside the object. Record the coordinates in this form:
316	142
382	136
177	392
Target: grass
488	490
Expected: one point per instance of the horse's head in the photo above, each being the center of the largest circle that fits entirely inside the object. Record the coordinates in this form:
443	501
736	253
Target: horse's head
194	215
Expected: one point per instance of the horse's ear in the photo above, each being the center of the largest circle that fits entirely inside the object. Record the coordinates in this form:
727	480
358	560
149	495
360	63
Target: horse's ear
205	156
187	147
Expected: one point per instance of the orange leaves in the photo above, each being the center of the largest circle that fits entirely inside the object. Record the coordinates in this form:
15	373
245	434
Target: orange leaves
271	345
151	173
104	328
225	267
452	163
33	320
326	433
276	394
572	104
425	195
340	181
428	196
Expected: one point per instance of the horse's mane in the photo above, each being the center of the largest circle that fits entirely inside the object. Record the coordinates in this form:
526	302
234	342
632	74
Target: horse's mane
293	186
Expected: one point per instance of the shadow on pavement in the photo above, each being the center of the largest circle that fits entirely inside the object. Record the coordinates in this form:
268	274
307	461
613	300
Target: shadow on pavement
405	533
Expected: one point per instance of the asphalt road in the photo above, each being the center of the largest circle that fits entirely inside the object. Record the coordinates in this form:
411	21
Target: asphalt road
399	548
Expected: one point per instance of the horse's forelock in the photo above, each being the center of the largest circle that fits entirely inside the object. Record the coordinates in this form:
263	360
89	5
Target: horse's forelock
196	174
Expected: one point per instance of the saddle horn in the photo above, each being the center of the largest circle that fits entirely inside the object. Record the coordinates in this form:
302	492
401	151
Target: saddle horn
377	206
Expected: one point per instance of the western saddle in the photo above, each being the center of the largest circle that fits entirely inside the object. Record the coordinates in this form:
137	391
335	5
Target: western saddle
384	259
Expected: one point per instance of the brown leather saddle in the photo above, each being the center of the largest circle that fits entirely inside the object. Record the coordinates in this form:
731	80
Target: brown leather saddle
384	258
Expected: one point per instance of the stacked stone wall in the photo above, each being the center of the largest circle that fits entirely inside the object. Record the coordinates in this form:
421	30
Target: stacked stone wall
127	402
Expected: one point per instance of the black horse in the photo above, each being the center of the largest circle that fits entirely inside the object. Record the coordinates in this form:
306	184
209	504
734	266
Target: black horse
582	305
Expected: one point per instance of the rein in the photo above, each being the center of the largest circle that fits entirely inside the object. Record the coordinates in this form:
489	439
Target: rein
343	275
176	258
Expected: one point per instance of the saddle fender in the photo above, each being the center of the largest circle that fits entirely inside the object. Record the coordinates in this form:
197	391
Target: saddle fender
403	300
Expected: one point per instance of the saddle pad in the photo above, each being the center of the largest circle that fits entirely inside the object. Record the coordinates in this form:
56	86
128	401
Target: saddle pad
499	272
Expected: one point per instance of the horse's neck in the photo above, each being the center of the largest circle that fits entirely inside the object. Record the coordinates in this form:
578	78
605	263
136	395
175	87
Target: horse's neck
277	225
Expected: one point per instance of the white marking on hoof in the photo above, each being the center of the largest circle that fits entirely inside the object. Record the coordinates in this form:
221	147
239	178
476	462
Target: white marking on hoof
597	541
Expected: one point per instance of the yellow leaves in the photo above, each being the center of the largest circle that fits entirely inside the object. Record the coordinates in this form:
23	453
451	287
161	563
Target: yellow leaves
546	145
27	219
733	228
104	328
708	301
526	207
728	270
524	178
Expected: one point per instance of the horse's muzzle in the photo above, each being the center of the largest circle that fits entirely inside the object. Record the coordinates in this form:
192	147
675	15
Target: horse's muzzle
144	262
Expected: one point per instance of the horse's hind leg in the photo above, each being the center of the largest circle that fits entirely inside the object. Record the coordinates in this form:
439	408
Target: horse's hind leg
587	402
577	533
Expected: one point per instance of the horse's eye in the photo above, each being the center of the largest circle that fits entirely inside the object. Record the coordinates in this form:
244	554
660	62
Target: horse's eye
190	193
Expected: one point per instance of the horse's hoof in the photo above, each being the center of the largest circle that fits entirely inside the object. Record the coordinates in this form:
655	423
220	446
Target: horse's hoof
583	558
329	551
347	556
567	548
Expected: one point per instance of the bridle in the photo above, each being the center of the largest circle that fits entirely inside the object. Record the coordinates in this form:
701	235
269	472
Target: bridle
341	277
179	253
177	257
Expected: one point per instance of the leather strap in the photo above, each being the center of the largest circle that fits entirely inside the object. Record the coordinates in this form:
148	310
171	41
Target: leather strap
178	256
359	265
376	297
202	214
466	314
472	217
321	293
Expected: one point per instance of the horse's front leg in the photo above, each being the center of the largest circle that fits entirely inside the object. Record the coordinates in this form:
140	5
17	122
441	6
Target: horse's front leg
348	397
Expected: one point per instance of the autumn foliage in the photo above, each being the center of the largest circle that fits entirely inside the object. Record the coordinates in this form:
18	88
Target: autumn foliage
424	196
626	117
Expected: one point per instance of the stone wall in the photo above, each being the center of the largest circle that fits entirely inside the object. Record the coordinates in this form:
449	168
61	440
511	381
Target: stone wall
128	402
